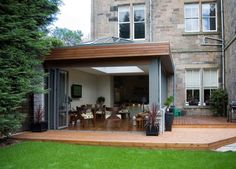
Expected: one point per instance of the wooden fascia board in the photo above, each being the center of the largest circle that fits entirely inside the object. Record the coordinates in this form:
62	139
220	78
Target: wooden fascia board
110	51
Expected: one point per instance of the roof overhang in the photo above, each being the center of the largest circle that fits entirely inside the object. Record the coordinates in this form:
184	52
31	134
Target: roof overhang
111	54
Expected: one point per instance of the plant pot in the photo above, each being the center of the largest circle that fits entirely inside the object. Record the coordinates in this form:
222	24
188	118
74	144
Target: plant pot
152	131
39	127
169	117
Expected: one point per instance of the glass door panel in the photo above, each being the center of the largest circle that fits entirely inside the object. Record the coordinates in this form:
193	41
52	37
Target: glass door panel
62	99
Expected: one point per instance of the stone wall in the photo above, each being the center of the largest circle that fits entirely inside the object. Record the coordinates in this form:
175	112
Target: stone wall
230	47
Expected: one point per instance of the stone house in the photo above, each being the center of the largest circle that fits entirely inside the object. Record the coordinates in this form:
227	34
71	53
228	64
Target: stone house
193	29
177	44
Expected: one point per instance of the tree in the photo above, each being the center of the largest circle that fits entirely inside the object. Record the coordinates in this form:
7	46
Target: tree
22	45
69	37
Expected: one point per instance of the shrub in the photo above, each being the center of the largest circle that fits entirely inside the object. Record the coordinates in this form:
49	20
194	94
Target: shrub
218	101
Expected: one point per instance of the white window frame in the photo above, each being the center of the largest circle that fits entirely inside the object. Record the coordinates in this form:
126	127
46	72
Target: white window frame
202	86
216	16
124	8
141	6
210	87
191	17
193	87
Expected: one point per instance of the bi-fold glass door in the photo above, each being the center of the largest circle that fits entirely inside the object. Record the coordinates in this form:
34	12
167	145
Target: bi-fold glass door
57	98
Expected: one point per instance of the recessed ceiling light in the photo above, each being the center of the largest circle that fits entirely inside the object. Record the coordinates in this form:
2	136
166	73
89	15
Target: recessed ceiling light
119	69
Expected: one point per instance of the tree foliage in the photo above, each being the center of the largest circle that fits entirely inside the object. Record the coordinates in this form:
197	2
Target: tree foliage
22	45
68	37
218	101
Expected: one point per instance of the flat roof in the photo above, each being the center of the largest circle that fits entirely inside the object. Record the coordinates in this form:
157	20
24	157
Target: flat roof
128	52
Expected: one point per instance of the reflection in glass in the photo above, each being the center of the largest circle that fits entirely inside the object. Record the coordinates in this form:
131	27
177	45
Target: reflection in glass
139	22
124	30
209	17
193	97
139	15
139	30
124	16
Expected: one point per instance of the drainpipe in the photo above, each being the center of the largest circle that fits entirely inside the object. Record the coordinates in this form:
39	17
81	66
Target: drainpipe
223	45
150	17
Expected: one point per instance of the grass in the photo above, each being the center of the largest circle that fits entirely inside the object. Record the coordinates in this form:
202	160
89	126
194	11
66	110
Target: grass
48	155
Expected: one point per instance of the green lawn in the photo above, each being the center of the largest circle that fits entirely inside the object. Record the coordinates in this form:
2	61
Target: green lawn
45	155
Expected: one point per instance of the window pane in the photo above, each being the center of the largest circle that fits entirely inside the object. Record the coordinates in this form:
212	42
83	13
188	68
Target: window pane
196	95
191	15
192	78
188	25
210	78
139	30
193	97
207	94
124	16
209	9
191	10
195	11
124	30
209	17
195	25
138	15
191	25
187	12
189	95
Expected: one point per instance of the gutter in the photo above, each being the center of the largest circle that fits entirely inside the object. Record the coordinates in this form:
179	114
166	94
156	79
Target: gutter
223	44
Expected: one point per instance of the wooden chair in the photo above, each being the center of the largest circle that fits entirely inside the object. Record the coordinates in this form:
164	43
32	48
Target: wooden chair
113	120
100	111
88	115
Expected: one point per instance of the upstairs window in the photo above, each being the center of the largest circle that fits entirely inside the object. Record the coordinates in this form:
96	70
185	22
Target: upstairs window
139	22
200	17
124	22
209	15
191	16
131	22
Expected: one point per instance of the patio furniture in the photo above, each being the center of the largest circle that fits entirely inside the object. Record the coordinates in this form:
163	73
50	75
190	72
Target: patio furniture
74	116
140	122
124	113
87	115
232	112
113	120
100	111
140	119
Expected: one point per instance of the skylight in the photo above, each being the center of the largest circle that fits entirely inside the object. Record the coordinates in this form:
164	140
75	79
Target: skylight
119	69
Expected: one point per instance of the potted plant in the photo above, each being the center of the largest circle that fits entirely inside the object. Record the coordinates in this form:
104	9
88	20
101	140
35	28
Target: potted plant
39	124
100	100
152	125
169	115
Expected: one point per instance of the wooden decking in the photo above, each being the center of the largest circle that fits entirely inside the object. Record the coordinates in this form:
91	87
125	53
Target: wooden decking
179	138
195	133
202	122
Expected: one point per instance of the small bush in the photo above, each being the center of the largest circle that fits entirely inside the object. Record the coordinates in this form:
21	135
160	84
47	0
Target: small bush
218	101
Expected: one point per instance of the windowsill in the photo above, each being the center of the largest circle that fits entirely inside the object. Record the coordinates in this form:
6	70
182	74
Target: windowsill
197	107
199	33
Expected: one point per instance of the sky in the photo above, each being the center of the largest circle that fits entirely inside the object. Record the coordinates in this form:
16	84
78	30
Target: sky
75	15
